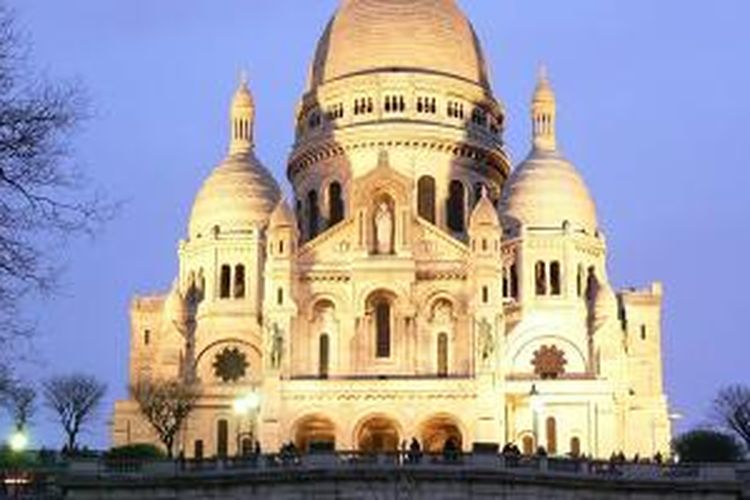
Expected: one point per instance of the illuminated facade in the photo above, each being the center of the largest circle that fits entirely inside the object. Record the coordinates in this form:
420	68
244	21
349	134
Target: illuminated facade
416	284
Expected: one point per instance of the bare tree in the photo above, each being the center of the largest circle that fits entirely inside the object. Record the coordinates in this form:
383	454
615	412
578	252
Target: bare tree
75	400
21	399
165	404
732	410
44	198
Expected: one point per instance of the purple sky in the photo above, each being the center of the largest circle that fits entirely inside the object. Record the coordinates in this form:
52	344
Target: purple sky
649	112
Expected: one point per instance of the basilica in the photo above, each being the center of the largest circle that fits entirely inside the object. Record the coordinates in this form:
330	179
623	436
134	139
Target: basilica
414	281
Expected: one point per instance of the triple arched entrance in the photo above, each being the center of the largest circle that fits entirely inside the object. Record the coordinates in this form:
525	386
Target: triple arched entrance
380	433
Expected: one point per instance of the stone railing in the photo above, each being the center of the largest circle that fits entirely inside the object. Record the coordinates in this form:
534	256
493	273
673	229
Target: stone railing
341	461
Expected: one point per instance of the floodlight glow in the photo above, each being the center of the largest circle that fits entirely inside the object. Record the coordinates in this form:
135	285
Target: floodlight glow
253	401
239	406
246	404
18	441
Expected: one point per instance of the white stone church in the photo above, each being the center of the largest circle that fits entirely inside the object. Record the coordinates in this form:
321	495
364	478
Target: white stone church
414	283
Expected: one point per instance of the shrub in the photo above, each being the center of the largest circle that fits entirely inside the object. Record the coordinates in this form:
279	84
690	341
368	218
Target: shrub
143	451
704	445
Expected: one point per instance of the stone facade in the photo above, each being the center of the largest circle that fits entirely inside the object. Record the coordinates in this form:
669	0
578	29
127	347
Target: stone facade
418	286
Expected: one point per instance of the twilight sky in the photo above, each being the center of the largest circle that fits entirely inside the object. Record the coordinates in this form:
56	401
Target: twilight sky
649	112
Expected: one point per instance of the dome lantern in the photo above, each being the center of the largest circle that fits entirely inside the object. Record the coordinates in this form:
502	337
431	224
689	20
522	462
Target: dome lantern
242	114
544	113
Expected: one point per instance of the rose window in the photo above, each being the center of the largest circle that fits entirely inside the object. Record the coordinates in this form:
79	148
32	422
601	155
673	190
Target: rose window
230	364
549	362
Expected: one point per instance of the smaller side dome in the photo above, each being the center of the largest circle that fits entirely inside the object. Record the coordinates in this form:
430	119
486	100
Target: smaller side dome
484	213
240	193
546	190
282	216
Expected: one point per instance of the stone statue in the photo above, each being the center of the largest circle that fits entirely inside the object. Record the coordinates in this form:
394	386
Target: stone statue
383	229
276	342
443	312
486	340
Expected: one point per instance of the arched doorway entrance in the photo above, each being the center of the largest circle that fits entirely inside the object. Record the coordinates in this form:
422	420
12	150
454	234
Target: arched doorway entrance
436	431
314	429
378	435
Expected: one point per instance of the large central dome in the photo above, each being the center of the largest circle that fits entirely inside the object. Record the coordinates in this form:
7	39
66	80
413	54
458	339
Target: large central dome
416	35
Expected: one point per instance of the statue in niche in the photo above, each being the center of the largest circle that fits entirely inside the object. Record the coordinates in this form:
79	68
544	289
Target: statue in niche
443	312
276	343
486	340
383	229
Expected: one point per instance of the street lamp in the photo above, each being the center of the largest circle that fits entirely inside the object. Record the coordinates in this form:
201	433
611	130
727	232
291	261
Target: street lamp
246	407
18	441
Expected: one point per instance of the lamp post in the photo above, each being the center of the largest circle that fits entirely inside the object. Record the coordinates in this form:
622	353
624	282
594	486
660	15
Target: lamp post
246	408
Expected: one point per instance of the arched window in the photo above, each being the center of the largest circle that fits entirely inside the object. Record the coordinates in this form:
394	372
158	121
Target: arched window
198	449
426	198
442	355
383	329
485	295
552	436
239	281
299	215
554	278
506	283
280	296
514	281
225	282
146	337
313	212
592	285
527	443
335	204
324	348
222	438
579	281
575	447
540	278
643	332
456	206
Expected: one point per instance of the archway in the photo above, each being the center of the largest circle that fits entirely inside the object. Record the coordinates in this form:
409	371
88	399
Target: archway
314	429
378	435
436	431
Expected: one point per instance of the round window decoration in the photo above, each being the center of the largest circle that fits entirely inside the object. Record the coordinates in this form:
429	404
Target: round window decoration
549	362
230	365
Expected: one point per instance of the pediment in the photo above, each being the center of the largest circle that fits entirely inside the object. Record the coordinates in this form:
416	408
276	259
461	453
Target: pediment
333	245
382	180
431	244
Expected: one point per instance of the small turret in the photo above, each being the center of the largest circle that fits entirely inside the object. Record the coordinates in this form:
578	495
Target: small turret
282	232
485	229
